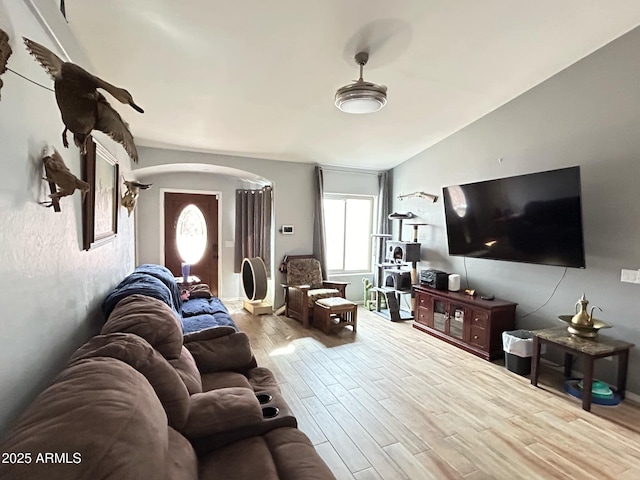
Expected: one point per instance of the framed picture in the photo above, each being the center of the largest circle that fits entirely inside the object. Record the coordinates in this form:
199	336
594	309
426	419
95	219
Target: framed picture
100	205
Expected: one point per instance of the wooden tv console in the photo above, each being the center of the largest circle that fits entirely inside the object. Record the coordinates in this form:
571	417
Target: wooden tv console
470	323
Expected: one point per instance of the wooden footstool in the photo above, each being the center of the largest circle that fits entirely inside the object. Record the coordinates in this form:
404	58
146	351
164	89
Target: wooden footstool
334	313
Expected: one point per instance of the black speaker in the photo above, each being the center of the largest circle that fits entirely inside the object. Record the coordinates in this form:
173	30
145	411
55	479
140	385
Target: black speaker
434	279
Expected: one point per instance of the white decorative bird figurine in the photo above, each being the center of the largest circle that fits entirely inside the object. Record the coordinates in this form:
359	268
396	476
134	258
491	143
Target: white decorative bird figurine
130	197
58	173
82	107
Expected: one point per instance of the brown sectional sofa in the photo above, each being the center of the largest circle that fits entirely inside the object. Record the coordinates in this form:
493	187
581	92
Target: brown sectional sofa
140	401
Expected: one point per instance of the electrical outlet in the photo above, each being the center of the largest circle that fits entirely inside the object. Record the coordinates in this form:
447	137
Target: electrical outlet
629	276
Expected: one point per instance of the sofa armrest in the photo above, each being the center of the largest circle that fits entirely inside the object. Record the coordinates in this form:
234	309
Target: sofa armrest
229	352
283	418
222	410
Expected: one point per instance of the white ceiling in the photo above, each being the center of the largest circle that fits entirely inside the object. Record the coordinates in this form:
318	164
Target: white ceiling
257	78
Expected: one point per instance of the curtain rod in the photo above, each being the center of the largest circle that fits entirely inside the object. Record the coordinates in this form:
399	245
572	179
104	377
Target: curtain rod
329	168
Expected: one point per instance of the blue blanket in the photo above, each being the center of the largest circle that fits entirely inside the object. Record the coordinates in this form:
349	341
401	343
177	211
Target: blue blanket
158	282
201	313
142	284
163	274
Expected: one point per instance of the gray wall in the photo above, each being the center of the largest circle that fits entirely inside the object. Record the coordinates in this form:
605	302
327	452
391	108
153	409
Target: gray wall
148	218
293	205
587	115
50	289
292	198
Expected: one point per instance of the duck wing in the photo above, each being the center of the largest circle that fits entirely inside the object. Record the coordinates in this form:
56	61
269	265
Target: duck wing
75	78
110	122
45	57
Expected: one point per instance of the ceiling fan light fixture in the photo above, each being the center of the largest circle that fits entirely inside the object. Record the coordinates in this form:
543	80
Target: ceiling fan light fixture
361	97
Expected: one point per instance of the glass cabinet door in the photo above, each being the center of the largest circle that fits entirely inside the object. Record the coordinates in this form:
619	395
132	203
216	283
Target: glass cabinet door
440	315
456	321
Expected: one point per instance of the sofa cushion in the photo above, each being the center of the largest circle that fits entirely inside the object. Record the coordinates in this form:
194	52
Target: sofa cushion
223	379
105	417
230	352
282	454
182	463
137	353
150	319
222	410
231	462
186	367
295	455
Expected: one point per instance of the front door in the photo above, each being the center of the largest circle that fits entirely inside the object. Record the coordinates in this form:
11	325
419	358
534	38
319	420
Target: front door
191	235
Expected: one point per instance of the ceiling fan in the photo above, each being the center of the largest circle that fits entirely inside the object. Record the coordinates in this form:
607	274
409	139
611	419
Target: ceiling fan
361	97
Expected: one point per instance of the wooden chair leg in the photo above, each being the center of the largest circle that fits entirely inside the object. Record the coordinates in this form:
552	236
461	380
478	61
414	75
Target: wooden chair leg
354	315
304	312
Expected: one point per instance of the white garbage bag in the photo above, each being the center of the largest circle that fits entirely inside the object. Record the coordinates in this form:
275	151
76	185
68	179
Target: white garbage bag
518	343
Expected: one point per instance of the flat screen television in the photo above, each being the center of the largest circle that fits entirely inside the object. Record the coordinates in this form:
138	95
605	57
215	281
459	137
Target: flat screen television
532	218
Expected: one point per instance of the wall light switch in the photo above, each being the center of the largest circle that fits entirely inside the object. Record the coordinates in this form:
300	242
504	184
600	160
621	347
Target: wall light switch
629	276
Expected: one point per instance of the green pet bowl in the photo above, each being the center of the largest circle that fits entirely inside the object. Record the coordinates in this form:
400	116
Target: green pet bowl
599	389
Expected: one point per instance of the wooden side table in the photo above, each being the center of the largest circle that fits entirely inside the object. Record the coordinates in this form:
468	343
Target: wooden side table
334	313
589	349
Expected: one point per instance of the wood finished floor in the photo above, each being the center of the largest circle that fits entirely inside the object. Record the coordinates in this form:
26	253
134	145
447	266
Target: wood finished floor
391	402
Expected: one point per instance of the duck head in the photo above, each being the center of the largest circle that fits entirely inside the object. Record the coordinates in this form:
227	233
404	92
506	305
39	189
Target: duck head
124	96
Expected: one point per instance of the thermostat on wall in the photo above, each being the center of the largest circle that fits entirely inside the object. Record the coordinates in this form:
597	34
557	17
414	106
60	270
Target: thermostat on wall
286	229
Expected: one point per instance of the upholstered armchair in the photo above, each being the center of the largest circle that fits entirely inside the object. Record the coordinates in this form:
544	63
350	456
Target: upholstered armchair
305	285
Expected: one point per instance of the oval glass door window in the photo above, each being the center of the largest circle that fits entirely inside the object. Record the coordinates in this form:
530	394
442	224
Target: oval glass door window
191	234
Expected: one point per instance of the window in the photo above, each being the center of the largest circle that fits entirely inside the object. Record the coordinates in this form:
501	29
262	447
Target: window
348	224
191	234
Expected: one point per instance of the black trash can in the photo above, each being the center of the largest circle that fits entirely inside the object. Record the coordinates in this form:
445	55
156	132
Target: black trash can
518	349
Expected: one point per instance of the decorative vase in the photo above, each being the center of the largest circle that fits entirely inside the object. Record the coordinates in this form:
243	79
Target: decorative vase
186	271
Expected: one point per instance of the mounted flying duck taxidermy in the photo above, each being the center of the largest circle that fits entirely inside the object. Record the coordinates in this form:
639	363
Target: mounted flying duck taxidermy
64	182
82	107
5	53
130	197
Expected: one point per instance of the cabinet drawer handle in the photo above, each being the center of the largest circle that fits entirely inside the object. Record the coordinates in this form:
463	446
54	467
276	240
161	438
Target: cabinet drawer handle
475	337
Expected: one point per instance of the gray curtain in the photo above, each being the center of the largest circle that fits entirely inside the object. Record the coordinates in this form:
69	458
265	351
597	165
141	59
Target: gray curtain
382	218
382	223
319	242
253	226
